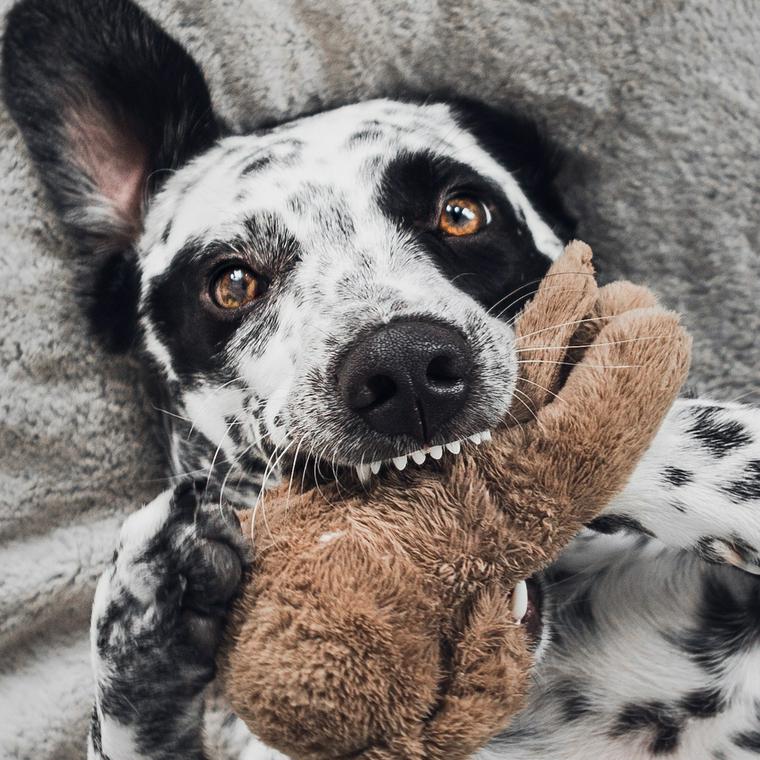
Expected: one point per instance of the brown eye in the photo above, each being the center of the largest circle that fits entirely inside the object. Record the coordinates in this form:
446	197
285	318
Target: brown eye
235	287
463	216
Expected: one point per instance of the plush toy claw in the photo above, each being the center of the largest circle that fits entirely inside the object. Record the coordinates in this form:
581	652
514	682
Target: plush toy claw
393	622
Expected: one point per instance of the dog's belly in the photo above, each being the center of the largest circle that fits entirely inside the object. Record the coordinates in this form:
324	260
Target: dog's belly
654	653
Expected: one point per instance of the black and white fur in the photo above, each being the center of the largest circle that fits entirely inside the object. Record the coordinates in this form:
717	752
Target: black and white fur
652	644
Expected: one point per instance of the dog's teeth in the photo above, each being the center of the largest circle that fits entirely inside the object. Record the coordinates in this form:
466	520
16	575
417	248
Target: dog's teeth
518	604
418	457
475	438
436	452
375	467
400	462
485	436
454	447
363	471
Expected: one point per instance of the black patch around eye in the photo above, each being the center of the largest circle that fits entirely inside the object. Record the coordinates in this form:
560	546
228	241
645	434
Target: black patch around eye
499	266
196	335
519	145
192	336
718	436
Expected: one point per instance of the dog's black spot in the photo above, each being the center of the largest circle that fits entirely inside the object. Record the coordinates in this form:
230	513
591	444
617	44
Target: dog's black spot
747	487
727	623
575	703
653	716
709	549
167	231
718	436
748	740
702	703
677	477
257	164
616	523
368	134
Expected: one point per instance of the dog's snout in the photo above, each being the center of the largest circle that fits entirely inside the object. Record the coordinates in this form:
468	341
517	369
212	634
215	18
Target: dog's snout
408	377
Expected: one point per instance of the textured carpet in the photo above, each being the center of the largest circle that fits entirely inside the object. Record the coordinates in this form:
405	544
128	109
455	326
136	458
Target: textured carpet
658	104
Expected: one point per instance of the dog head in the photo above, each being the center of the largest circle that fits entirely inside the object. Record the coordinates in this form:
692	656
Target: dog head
336	289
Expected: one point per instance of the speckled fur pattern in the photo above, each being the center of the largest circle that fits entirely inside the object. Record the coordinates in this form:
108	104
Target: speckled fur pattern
699	491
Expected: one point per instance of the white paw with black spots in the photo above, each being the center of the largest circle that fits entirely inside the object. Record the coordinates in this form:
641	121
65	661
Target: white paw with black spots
160	610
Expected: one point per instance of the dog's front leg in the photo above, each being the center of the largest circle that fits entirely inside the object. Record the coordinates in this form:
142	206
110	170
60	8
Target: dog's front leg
698	485
156	625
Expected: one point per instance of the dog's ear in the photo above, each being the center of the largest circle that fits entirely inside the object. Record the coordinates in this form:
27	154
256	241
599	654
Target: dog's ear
525	151
107	103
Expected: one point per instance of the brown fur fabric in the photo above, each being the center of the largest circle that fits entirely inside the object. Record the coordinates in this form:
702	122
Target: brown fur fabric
375	624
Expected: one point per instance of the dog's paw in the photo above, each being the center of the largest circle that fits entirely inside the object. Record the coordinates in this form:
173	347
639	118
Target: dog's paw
160	607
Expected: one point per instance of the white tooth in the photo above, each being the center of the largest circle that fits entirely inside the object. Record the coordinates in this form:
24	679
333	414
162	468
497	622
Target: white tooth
400	462
418	457
518	604
375	467
363	471
485	435
436	452
475	438
454	447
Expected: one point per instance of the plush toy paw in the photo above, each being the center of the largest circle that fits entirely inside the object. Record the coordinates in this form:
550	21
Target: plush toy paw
159	608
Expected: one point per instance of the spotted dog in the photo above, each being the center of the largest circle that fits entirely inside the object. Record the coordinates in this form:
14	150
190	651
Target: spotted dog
334	294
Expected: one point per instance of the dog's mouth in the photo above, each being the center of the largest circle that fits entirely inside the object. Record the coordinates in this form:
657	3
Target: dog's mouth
365	471
526	607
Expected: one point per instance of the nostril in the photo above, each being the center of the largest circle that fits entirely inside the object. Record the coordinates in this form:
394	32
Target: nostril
375	391
444	370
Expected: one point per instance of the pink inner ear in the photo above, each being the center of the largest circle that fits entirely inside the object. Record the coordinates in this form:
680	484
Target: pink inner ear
110	154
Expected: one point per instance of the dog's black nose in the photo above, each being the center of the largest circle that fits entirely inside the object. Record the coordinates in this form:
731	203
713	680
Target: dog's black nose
408	377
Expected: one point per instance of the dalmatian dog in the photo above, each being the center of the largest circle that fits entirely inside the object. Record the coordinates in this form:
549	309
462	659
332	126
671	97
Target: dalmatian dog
333	294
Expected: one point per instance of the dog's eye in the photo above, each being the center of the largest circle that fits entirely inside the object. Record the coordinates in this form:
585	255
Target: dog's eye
235	287
463	216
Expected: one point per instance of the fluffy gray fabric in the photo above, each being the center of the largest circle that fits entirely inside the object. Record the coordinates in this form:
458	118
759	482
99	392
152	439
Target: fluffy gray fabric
657	103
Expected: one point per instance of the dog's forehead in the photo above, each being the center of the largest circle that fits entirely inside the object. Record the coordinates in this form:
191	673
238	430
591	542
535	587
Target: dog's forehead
306	172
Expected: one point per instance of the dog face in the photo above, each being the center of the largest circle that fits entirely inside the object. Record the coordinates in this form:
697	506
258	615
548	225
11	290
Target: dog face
337	286
336	289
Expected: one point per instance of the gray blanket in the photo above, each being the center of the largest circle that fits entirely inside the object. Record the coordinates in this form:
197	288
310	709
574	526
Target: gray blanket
658	104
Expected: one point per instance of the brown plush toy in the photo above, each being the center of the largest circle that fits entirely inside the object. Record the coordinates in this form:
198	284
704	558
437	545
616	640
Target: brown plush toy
378	621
